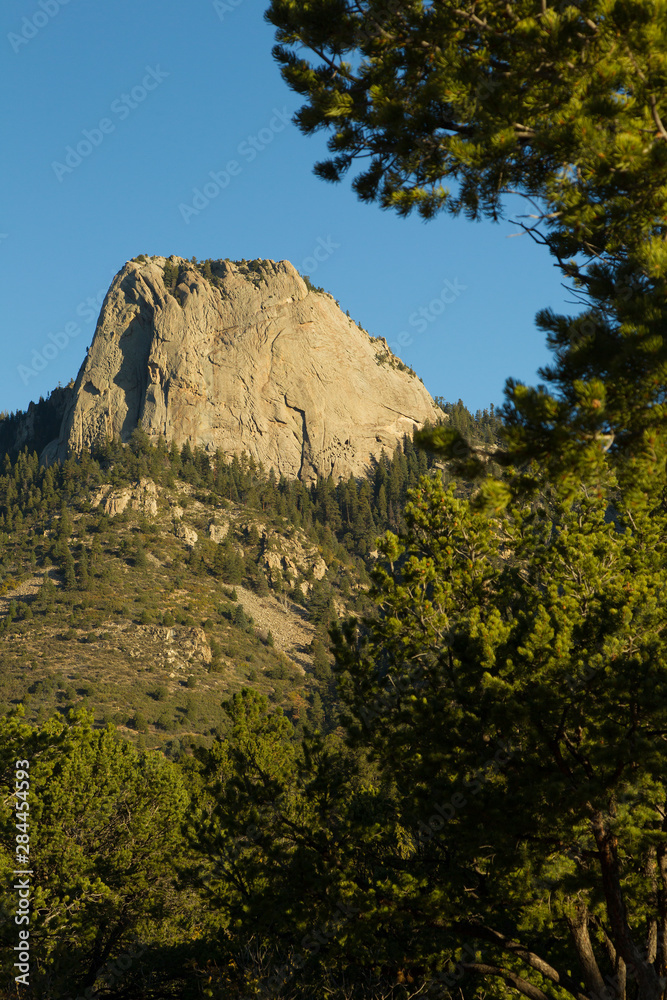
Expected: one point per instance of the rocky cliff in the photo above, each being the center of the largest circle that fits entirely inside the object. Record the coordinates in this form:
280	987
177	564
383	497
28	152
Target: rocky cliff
241	357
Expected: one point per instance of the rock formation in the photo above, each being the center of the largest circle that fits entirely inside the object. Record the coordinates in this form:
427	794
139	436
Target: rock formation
240	357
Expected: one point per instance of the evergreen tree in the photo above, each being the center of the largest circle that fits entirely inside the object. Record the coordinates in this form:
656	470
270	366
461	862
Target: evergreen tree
521	661
140	560
228	564
47	592
83	571
103	861
321	607
560	104
69	570
239	618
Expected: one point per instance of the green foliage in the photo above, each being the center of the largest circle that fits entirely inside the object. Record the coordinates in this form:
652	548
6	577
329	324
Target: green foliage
228	564
311	287
520	660
321	608
484	427
171	272
104	837
87	633
239	617
261	584
559	105
83	570
69	571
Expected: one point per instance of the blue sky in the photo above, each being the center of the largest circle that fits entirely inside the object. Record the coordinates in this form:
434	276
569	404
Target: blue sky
156	97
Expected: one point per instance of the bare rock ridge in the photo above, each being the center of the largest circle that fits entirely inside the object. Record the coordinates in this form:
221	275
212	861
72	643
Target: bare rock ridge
244	357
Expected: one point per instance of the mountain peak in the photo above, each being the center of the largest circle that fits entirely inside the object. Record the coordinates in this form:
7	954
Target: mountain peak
240	356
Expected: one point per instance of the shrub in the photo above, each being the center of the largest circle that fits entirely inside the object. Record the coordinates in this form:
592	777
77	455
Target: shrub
279	671
239	618
139	722
159	693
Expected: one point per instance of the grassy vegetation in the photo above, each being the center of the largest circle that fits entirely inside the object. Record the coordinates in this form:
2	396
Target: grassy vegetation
120	615
148	584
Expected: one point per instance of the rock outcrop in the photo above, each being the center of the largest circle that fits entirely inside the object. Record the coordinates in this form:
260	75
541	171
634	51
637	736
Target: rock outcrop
143	497
240	357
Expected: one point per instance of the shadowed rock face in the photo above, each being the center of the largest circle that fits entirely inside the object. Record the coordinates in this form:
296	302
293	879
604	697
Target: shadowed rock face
247	360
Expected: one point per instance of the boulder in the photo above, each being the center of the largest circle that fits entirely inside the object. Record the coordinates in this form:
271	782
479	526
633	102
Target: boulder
217	532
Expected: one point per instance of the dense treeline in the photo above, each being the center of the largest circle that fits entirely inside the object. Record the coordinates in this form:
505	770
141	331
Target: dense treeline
355	511
345	851
502	695
482	427
35	427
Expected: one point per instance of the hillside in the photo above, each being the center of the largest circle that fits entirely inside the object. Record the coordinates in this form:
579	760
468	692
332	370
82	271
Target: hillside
150	583
147	594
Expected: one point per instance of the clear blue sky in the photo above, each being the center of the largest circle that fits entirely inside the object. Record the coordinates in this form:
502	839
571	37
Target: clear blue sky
167	93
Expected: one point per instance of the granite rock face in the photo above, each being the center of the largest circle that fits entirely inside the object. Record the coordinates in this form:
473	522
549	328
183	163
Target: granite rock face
242	358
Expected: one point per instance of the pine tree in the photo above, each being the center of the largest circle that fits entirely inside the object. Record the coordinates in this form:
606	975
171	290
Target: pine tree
321	607
228	564
520	660
572	121
126	816
83	571
69	570
239	618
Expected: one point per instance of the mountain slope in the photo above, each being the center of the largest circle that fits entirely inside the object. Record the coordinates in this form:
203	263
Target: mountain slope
150	583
